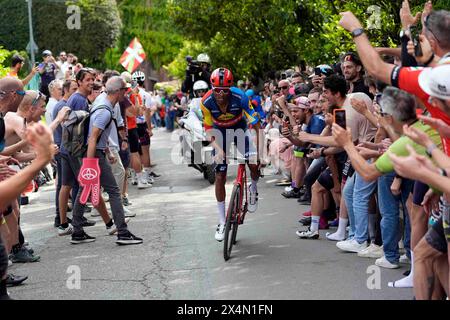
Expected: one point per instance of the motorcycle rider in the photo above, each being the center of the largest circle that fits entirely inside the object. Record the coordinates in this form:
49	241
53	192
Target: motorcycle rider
196	70
200	88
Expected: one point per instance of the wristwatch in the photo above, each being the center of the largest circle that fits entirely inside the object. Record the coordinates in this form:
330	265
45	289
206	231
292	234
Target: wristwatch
357	32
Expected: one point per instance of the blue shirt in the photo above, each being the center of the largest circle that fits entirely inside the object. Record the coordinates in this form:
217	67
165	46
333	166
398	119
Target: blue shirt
100	119
239	111
57	133
76	102
316	124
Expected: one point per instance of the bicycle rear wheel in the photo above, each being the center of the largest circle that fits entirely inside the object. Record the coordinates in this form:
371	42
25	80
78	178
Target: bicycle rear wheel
231	224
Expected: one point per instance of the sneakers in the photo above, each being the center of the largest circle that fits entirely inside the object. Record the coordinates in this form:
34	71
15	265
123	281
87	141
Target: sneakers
143	184
372	251
24	256
308	234
128	213
65	231
113	229
127	239
404	259
304	200
384	263
126	202
154	175
253	200
13	280
351	245
220	232
82	237
291	194
288	189
88	223
306	221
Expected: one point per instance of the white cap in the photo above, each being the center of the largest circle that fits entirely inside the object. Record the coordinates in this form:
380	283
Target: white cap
436	81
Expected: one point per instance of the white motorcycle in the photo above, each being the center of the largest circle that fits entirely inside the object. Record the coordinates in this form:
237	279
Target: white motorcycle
196	150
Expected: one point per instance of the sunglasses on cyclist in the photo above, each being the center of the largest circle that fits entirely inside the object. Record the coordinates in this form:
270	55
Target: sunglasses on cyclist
221	91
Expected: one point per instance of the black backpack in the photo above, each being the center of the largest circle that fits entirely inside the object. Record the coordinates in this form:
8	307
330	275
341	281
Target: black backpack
75	131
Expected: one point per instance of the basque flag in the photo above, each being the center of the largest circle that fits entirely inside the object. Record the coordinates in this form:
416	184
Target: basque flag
133	56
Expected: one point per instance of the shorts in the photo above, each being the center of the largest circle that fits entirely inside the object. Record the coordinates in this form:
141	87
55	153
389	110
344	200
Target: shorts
326	177
144	137
70	168
133	141
243	143
419	191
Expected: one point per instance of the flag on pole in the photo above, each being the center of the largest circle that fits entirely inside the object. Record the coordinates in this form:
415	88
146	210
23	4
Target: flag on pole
133	56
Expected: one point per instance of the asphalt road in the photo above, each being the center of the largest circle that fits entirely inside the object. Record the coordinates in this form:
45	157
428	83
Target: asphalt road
180	258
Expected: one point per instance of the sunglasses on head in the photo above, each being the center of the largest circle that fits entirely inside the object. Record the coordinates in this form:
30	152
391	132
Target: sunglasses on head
221	90
38	97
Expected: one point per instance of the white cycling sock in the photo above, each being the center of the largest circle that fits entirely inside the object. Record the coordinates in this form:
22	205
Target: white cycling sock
406	282
339	235
221	211
315	223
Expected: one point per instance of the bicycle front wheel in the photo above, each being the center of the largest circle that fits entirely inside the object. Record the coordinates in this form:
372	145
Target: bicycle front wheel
231	224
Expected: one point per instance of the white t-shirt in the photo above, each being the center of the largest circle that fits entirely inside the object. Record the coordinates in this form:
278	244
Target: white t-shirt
148	102
49	110
362	129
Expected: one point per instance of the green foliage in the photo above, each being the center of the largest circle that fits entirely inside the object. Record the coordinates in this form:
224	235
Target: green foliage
255	36
4	67
150	23
100	27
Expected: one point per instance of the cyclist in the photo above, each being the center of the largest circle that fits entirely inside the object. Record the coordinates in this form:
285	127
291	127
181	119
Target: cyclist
226	113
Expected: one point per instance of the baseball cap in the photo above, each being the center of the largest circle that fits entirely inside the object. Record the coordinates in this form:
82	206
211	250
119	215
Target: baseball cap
46	53
302	102
322	69
436	81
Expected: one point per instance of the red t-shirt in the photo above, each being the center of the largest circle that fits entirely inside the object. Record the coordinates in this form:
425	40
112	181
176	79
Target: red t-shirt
131	121
407	79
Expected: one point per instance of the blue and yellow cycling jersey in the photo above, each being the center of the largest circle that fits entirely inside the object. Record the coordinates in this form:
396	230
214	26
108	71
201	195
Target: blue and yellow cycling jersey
239	109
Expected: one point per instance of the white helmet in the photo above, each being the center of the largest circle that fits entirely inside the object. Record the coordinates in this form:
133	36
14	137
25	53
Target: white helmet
203	57
200	85
138	76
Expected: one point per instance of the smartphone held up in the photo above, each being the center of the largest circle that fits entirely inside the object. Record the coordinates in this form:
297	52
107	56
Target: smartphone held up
339	117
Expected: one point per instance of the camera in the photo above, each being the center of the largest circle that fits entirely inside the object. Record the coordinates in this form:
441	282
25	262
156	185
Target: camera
194	67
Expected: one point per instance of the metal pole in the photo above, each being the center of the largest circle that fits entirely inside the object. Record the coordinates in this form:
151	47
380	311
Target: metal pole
30	24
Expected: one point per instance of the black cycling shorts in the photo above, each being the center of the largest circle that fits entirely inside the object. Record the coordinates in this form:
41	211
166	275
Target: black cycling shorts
133	141
144	137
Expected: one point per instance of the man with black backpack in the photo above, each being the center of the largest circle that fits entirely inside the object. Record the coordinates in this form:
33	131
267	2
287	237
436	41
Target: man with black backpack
98	156
70	163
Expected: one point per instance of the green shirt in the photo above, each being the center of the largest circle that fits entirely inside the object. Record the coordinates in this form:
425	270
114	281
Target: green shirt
384	163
